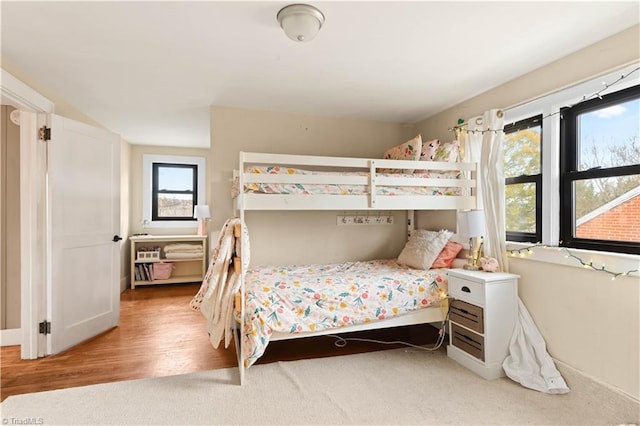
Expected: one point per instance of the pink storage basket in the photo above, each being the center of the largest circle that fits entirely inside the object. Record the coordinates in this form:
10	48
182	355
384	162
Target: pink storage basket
162	271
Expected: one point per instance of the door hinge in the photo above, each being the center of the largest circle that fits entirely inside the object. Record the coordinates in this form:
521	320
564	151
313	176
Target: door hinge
45	327
45	133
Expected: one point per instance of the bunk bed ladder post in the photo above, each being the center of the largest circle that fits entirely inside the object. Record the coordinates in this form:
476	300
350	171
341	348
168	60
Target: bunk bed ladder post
372	184
240	197
238	335
411	217
240	326
235	177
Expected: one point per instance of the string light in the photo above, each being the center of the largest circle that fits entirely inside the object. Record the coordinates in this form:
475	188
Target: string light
473	132
459	127
523	252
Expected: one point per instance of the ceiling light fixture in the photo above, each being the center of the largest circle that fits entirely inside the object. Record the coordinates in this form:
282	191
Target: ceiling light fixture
300	22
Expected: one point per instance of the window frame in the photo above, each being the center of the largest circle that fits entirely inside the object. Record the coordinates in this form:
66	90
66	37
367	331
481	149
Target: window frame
156	191
513	127
148	160
549	106
569	172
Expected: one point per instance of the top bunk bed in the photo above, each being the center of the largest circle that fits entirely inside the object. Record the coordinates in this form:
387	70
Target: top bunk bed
304	182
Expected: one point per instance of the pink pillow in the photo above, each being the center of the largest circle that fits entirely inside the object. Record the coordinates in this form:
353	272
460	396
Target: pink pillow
409	150
446	256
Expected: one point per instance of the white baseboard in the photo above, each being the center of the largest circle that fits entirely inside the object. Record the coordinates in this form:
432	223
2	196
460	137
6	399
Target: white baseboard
124	283
11	337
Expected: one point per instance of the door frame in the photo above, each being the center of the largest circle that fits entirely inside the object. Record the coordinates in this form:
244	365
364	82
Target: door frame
32	211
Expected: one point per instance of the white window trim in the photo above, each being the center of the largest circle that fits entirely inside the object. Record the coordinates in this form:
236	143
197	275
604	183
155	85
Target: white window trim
147	177
546	106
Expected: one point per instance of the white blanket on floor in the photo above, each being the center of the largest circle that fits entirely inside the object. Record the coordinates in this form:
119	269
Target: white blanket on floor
528	362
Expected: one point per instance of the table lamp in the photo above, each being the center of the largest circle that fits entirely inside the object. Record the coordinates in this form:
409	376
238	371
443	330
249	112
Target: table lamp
472	226
202	213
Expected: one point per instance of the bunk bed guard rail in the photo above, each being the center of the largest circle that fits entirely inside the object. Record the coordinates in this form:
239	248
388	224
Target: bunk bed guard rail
380	191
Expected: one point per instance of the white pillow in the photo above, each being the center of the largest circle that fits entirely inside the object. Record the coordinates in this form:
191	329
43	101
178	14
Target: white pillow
423	247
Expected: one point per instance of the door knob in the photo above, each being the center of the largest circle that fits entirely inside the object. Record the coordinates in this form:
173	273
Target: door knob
116	238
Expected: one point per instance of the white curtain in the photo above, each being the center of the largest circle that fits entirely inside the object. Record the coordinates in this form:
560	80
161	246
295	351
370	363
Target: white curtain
492	187
528	362
471	143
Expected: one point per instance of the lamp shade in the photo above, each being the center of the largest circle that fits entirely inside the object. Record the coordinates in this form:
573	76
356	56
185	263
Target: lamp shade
471	224
300	22
201	211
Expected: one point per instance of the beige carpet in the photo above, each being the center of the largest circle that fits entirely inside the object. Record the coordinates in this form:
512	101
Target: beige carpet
387	387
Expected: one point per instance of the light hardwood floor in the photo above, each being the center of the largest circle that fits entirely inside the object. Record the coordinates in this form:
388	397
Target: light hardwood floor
160	336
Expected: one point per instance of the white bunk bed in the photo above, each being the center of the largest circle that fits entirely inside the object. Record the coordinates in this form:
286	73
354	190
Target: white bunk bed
367	186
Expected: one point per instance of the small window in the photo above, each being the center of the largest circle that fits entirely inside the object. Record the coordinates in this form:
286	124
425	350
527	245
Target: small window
600	173
175	191
523	180
172	185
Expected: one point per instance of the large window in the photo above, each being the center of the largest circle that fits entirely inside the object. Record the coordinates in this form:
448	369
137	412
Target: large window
600	173
172	186
523	180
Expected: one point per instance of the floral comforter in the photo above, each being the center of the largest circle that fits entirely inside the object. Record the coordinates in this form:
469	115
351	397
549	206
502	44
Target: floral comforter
307	298
346	189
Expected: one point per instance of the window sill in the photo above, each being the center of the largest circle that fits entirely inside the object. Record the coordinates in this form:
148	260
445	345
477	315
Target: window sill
614	262
177	224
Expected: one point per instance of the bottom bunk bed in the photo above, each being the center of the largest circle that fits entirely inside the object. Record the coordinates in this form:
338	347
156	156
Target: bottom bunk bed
311	300
267	304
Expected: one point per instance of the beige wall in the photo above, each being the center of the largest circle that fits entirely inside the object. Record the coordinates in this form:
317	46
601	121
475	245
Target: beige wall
9	222
301	237
606	55
588	321
125	189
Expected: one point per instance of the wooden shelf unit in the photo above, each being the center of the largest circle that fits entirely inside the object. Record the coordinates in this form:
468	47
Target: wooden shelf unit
184	270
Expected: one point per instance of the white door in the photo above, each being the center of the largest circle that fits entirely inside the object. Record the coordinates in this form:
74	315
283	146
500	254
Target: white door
83	219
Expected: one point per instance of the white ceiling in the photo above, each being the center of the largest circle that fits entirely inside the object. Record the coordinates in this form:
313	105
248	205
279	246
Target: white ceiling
150	70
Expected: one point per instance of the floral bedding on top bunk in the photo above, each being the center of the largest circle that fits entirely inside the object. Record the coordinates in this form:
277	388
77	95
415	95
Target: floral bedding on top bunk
347	189
308	298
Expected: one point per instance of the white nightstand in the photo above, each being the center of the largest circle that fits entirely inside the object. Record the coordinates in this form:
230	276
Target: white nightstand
482	319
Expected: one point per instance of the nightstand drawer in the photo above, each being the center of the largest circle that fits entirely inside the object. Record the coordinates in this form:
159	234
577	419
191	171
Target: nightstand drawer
471	316
467	290
468	341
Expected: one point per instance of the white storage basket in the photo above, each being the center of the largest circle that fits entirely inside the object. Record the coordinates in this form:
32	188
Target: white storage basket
148	255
